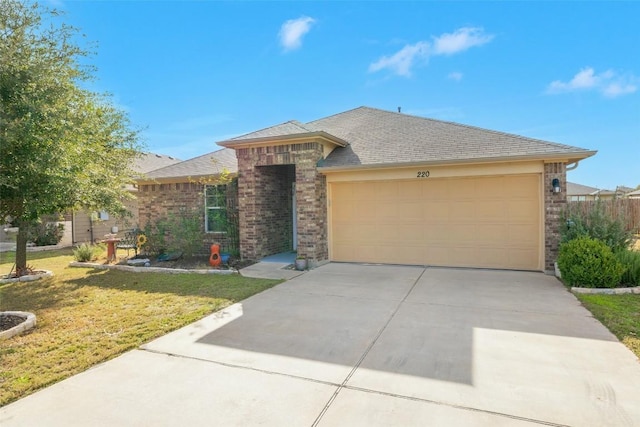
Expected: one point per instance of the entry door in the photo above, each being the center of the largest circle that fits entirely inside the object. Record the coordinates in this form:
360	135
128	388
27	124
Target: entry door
295	215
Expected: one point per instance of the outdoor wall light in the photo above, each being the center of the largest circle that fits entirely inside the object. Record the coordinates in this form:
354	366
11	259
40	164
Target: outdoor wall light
556	185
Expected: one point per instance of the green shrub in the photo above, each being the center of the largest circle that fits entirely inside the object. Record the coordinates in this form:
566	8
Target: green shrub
589	263
631	261
176	232
155	232
86	252
597	224
45	233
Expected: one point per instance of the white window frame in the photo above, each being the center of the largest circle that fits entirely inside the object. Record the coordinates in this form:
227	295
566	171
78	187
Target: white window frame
217	188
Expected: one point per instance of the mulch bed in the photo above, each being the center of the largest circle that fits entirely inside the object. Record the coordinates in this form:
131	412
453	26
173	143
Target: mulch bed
193	263
8	321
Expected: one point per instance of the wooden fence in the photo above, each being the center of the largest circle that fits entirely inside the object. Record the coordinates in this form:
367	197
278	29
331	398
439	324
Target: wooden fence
626	209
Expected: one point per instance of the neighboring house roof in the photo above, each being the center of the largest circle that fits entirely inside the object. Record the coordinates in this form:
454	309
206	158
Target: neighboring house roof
376	138
621	190
633	194
574	189
205	165
147	162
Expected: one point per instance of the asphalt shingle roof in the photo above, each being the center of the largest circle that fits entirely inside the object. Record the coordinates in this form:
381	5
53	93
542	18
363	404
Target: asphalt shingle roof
574	189
292	127
147	162
207	164
383	137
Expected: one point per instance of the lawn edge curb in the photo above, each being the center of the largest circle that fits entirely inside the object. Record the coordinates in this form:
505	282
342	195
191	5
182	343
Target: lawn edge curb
147	269
606	291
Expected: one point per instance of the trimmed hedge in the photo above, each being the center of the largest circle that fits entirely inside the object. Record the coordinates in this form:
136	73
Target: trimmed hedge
589	263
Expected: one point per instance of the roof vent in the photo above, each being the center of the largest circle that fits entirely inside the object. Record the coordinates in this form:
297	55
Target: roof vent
399	109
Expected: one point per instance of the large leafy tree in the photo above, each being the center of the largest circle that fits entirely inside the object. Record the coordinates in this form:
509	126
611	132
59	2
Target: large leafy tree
62	146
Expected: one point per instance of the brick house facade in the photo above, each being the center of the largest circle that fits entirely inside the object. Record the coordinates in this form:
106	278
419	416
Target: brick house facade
158	201
269	179
289	176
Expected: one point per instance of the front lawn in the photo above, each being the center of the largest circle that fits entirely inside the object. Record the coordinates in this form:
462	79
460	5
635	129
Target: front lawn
619	313
87	316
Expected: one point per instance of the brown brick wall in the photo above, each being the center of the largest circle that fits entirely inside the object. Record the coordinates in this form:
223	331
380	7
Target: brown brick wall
265	218
159	200
554	205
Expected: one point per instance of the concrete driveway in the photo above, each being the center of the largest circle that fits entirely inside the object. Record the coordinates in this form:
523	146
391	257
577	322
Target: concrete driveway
354	345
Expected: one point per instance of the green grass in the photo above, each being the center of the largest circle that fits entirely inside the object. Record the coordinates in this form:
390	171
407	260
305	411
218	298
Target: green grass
87	316
619	313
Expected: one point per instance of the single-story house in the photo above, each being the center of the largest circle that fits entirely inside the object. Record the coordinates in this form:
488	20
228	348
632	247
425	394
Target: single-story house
581	193
633	194
373	186
92	226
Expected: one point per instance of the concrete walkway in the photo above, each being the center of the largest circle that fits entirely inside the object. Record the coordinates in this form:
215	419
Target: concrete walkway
352	345
277	266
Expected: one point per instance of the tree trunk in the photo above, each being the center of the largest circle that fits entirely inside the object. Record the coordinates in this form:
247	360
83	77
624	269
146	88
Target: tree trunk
21	246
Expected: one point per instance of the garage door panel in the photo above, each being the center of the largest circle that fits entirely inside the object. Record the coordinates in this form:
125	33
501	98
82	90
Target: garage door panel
462	189
365	210
411	190
522	186
491	257
463	233
343	211
521	209
491	234
491	210
344	252
469	222
412	211
386	211
343	192
520	258
436	210
491	187
520	234
363	191
462	211
436	189
410	233
386	190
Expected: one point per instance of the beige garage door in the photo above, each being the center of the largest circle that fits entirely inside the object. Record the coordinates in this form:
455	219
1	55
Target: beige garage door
489	222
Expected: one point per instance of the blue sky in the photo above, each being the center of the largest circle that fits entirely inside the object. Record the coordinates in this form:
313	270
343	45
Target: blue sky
193	73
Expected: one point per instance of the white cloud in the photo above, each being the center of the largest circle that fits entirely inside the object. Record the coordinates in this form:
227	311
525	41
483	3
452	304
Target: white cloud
608	83
403	61
616	89
460	40
293	30
455	75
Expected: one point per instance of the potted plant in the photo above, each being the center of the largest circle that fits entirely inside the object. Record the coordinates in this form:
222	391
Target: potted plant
301	263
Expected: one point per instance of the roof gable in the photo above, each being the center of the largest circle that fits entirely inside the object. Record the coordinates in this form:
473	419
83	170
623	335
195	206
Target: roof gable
292	127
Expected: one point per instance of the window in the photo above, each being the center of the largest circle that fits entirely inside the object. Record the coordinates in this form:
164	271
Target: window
215	205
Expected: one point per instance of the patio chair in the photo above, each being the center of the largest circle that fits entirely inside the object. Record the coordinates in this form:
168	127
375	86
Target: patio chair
130	241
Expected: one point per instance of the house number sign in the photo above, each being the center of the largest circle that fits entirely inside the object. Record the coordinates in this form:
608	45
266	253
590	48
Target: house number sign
423	174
